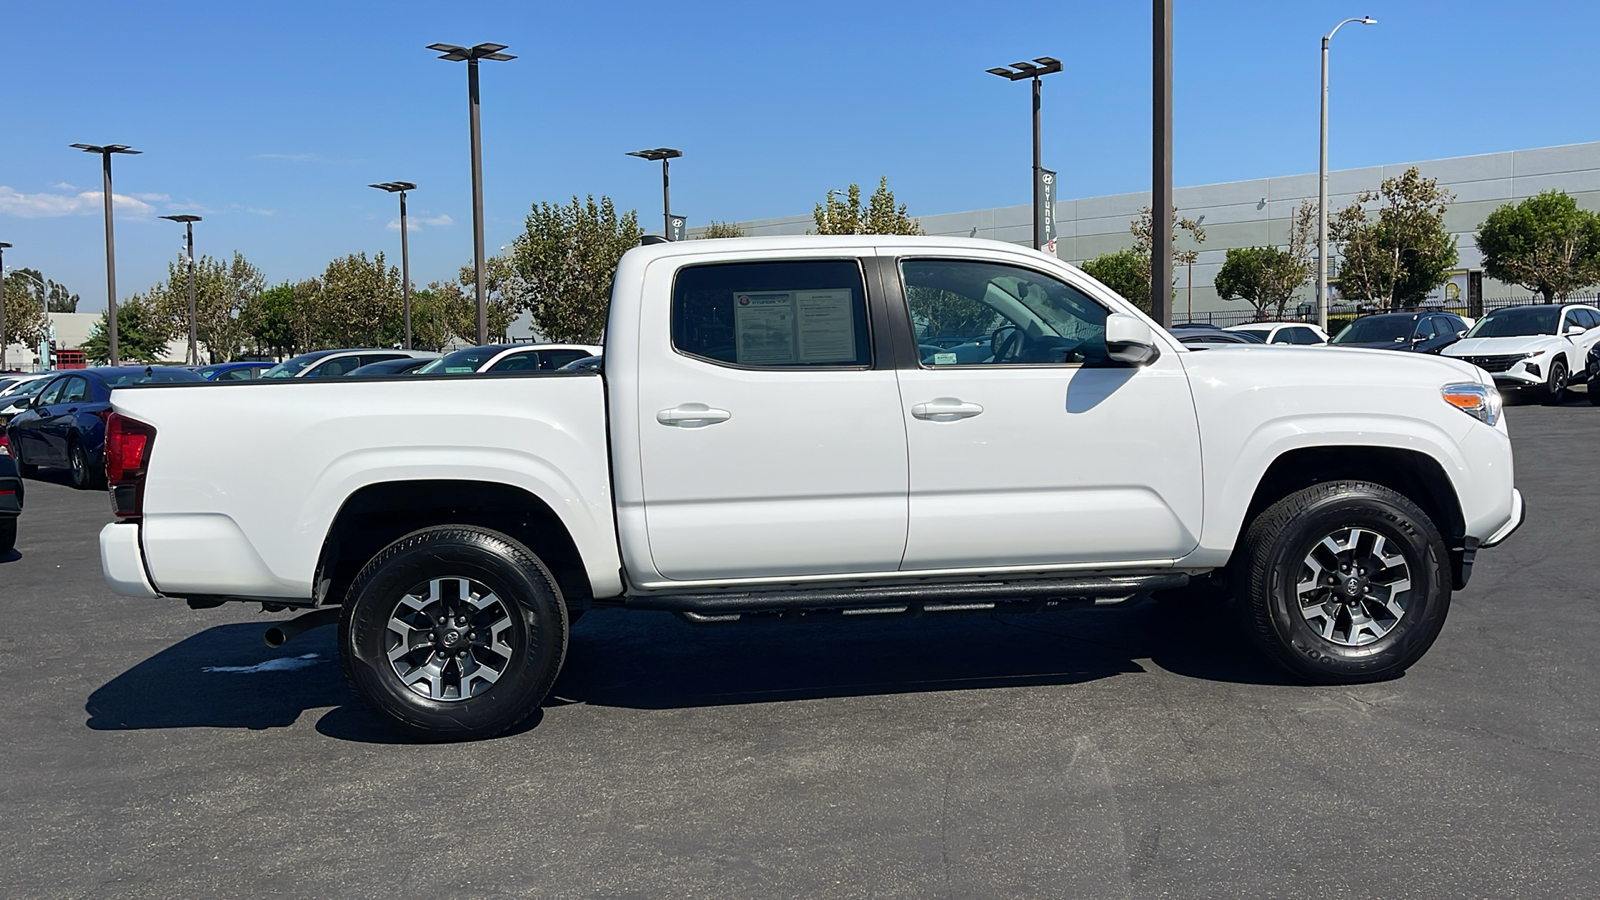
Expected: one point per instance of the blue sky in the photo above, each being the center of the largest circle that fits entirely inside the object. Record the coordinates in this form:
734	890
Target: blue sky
270	118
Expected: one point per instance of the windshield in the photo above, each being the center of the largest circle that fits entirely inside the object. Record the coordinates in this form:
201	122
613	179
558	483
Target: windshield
289	368
150	376
461	362
1377	330
1524	321
28	388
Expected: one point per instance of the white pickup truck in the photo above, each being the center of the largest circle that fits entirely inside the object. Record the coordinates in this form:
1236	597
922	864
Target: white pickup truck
800	426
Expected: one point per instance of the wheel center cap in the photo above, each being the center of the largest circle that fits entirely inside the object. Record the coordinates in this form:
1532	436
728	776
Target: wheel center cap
1352	585
450	638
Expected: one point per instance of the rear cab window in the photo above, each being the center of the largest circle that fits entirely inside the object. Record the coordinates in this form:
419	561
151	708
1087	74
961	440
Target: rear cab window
800	314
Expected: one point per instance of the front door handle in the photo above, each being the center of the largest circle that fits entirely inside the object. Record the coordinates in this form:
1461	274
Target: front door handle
692	415
946	409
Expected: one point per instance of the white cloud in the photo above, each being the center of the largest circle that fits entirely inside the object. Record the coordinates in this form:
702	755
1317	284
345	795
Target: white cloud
153	198
413	223
260	212
63	186
46	205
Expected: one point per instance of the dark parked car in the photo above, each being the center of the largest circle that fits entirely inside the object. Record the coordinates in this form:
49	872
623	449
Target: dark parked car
387	368
1207	338
10	503
65	423
1416	332
585	364
234	371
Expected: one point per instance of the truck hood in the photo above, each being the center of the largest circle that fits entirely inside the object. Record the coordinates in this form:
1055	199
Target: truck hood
1502	346
1326	366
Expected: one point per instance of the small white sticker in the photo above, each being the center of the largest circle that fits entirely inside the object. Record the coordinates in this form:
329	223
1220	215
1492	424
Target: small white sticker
944	359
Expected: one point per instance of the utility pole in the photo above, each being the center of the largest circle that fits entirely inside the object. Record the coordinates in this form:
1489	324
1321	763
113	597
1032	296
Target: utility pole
1161	169
1322	181
3	340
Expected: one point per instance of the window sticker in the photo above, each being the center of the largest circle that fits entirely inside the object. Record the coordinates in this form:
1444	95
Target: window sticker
788	327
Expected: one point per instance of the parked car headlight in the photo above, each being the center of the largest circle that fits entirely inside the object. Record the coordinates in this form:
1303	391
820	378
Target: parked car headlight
1478	401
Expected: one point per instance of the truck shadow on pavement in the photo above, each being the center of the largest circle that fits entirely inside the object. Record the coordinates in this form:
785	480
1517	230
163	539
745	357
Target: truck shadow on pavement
225	677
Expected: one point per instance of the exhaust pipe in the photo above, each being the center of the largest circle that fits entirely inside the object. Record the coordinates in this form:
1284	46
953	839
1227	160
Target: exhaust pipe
284	632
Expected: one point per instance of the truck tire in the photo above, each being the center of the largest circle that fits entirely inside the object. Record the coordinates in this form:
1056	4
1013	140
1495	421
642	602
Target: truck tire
485	623
1343	582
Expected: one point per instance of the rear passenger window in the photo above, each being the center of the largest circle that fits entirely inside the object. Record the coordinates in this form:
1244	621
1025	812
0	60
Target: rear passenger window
1587	318
555	359
773	314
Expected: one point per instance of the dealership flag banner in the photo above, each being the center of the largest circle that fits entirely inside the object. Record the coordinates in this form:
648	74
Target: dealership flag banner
678	224
1047	211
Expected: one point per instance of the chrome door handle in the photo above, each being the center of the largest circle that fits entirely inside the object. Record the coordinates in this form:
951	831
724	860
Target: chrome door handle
946	409
692	415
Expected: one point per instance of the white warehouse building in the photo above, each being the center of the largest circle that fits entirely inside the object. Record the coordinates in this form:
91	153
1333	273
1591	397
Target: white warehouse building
1257	212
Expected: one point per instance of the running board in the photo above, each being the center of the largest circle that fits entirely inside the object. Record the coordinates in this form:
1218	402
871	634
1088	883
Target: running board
1029	595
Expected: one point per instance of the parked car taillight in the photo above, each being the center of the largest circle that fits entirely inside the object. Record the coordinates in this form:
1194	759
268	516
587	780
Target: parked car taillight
128	443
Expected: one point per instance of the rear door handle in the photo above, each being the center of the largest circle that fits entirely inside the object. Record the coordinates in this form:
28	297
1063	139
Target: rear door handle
946	409
692	415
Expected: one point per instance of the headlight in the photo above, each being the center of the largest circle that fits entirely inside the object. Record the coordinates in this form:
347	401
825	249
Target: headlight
1480	402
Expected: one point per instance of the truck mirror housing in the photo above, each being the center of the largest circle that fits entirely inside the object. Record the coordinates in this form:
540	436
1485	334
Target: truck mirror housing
1129	340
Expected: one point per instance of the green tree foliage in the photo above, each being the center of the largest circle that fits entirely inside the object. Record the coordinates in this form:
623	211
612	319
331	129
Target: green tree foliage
433	320
142	334
880	216
1265	277
25	303
1126	272
273	320
505	295
721	230
1545	243
223	290
1403	253
358	302
561	267
1143	231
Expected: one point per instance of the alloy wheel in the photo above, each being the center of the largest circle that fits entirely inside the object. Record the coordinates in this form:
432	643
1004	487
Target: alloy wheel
450	638
1354	586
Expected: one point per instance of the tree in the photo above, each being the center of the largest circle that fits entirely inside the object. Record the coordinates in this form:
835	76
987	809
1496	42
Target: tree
222	292
1405	252
25	319
722	230
1126	272
269	319
561	267
1143	230
1266	277
881	216
434	319
358	304
1545	243
142	333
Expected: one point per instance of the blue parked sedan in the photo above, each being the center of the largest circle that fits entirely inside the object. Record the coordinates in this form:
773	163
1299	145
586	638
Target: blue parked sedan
65	423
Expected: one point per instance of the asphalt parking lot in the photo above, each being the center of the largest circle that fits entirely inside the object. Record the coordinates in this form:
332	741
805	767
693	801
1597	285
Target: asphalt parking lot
154	751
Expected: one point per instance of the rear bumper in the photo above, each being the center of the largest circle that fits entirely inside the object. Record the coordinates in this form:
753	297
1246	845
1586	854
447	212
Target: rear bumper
122	562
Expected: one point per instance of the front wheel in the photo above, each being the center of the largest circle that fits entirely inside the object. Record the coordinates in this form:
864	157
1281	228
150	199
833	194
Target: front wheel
1344	582
1555	390
453	632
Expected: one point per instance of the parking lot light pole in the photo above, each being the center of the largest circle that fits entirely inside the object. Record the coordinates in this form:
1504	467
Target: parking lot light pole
400	187
1322	181
193	356
3	341
664	154
471	55
106	151
1040	67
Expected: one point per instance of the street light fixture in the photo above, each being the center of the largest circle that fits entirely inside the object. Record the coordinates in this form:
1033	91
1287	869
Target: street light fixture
106	151
400	187
192	357
1040	67
663	154
471	55
1322	181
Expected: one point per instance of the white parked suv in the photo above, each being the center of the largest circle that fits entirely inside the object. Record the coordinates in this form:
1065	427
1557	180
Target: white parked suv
1293	333
1543	347
782	429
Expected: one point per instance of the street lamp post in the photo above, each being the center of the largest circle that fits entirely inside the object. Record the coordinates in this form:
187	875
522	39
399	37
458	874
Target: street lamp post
192	357
1322	181
3	340
106	151
1046	65
664	154
471	55
400	187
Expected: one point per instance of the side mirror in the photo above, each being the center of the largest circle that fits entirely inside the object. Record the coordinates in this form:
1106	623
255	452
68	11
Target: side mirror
1575	330
23	402
1129	340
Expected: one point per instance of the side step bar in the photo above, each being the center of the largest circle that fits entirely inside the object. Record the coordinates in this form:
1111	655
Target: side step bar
1024	595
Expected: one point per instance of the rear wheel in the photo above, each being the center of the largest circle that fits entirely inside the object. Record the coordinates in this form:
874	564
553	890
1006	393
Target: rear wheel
1555	390
454	632
84	477
1344	582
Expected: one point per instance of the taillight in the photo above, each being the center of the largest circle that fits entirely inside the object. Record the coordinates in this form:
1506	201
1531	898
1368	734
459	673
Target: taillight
128	443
